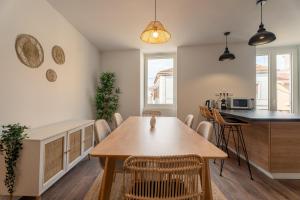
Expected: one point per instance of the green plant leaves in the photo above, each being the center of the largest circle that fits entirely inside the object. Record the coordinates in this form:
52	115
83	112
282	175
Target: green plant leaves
107	97
11	144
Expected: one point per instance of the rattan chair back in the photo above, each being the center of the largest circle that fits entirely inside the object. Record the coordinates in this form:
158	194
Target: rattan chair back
204	111
166	177
218	117
151	113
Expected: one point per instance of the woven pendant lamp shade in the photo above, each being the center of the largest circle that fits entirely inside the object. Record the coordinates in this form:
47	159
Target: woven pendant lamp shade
155	33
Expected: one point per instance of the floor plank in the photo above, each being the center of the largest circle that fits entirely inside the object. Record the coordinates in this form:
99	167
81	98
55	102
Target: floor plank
235	183
75	184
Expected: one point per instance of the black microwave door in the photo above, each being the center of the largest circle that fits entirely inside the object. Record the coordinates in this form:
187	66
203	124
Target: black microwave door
241	103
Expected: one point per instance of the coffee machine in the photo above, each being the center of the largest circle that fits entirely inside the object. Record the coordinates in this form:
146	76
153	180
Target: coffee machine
223	104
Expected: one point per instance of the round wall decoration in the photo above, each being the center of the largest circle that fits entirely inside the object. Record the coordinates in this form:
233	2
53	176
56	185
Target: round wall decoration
58	55
29	51
51	75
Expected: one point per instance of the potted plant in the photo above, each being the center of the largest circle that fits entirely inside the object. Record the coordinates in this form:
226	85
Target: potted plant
11	144
107	97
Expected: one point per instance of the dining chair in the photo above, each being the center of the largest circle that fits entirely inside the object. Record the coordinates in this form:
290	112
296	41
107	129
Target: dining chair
151	112
118	119
205	129
189	120
164	177
102	130
232	127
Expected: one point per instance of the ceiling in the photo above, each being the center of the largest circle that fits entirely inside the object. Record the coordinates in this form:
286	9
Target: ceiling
117	24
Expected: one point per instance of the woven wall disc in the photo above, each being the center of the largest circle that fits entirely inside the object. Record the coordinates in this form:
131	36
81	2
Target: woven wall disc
29	51
51	75
58	55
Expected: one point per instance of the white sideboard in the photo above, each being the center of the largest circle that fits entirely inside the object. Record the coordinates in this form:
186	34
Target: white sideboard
48	153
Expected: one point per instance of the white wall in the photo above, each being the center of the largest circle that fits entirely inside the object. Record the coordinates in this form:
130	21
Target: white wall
26	96
126	66
201	75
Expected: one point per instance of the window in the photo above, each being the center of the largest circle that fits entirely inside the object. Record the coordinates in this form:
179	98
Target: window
262	82
277	79
284	82
159	80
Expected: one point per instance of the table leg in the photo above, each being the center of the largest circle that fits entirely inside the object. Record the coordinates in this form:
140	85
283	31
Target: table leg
107	179
207	184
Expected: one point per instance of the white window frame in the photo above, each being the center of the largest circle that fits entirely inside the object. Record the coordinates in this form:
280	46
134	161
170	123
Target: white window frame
266	53
272	52
160	106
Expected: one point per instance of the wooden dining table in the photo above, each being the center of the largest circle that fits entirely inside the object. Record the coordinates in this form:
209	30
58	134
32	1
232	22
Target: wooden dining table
134	137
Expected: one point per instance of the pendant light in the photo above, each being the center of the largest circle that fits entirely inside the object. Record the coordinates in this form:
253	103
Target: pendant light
155	32
262	36
226	55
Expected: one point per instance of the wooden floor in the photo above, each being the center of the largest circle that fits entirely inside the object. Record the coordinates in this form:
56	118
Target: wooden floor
235	183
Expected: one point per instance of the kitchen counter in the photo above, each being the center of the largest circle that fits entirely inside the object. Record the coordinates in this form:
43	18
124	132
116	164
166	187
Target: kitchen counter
261	115
272	139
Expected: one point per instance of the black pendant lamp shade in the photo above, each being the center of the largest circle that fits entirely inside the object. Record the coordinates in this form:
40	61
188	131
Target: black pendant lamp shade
227	55
262	36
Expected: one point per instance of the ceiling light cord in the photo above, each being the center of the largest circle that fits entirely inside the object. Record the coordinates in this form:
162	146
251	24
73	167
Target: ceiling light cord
261	13
155	10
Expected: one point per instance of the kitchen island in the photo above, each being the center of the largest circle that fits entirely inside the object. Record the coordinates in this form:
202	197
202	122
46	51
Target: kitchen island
272	139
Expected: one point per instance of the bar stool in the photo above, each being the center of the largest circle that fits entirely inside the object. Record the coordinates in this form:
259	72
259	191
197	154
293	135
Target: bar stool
234	127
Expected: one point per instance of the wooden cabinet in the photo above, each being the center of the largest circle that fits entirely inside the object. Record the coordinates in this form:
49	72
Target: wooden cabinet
48	154
273	147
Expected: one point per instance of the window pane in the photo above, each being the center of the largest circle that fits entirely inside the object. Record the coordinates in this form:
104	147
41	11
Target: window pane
283	67
160	81
262	82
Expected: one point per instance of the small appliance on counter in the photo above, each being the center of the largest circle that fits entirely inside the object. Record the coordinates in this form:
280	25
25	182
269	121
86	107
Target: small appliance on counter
210	103
223	104
240	103
222	100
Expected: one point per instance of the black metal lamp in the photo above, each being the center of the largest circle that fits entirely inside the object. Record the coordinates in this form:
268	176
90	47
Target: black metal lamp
226	55
262	36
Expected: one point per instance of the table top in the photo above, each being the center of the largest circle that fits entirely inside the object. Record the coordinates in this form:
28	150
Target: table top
170	136
262	115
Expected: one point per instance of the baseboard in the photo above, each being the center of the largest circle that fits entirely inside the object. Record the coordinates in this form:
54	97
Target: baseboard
269	174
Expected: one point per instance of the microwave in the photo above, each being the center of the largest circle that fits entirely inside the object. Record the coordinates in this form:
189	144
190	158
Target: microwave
240	103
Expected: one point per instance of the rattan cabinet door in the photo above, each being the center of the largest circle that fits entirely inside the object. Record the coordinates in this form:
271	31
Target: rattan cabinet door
88	137
74	143
54	158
